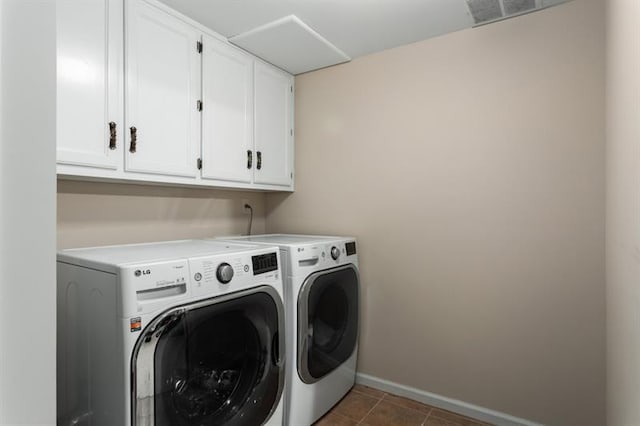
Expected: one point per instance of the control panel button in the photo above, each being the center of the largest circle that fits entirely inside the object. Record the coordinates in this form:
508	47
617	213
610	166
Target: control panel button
224	273
335	253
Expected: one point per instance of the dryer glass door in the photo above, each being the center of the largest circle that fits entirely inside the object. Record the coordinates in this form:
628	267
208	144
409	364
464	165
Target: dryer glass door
215	362
328	311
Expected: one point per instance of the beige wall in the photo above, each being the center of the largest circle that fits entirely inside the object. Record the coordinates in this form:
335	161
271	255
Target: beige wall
623	213
471	169
91	214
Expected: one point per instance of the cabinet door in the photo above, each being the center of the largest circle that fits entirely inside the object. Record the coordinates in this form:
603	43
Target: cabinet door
273	126
227	126
89	87
162	89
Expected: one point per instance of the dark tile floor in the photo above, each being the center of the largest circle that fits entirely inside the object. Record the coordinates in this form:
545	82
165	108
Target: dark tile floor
371	407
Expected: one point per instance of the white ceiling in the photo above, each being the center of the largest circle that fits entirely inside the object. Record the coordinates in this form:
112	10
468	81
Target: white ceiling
355	27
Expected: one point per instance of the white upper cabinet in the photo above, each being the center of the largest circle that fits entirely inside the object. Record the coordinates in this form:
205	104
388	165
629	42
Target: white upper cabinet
162	91
227	117
89	96
273	126
148	95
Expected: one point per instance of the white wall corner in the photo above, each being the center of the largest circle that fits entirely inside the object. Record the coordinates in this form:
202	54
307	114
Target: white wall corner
28	212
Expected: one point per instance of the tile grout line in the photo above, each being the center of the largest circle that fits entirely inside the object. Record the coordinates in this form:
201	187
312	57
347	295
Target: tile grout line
369	395
431	408
384	398
369	412
409	408
424	422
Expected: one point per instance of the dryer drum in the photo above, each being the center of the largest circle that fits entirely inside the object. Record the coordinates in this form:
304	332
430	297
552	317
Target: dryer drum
331	319
328	310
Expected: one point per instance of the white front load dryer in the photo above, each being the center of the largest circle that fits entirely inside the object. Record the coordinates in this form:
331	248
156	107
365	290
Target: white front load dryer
322	291
170	334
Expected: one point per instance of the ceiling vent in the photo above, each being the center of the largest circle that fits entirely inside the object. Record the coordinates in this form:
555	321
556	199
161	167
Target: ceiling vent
486	11
513	7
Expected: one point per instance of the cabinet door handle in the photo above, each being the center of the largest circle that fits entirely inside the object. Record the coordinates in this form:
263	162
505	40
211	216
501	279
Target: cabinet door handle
134	140
249	159
259	165
112	135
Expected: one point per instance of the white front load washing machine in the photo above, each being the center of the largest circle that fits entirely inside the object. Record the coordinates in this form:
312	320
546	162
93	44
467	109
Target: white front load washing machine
178	333
322	291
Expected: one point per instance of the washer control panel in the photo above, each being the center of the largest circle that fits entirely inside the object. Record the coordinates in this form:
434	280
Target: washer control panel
152	285
222	274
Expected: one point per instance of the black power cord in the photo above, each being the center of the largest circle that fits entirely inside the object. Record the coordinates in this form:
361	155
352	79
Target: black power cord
247	206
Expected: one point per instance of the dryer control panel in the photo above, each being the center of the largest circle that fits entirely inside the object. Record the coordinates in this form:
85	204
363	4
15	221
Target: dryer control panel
323	255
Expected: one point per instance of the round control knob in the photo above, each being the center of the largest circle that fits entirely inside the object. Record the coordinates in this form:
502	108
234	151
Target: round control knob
224	273
335	253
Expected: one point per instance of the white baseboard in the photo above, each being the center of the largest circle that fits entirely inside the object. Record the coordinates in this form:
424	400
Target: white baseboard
450	404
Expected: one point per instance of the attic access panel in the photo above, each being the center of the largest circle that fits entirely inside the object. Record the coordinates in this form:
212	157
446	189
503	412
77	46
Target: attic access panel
290	44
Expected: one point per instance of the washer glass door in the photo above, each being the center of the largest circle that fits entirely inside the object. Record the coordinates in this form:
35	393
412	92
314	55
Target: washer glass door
215	362
328	311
